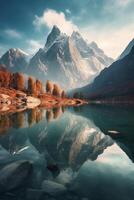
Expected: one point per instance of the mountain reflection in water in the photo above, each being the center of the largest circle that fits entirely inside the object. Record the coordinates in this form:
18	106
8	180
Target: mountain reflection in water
71	146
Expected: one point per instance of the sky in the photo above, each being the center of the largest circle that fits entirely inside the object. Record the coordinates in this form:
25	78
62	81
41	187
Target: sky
25	24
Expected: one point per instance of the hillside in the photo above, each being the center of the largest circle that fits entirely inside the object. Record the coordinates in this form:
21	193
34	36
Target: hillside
113	82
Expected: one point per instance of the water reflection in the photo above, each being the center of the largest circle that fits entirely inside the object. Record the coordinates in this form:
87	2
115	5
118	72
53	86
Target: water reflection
30	117
69	147
116	121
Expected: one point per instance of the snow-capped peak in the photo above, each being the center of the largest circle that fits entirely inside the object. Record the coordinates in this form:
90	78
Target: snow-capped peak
54	34
17	51
76	34
23	52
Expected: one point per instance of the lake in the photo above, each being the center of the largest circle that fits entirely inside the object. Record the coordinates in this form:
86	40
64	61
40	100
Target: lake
84	152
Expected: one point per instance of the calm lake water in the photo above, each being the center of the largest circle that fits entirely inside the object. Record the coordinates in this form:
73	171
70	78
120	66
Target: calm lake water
87	151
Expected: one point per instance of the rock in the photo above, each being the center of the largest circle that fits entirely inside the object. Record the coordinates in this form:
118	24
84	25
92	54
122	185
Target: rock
84	198
34	194
5	157
32	102
14	175
65	176
53	188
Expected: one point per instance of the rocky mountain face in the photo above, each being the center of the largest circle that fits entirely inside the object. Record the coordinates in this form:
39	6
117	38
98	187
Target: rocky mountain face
15	60
115	81
91	52
68	60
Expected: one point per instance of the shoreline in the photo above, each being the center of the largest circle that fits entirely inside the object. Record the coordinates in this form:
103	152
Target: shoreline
12	101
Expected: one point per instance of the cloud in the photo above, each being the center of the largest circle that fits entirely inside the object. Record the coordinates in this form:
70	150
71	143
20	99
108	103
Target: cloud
123	3
51	18
13	33
34	46
112	40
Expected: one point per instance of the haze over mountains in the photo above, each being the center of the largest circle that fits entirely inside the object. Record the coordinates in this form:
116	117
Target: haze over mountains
68	60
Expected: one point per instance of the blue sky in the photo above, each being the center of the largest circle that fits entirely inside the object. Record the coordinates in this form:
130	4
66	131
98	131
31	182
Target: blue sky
26	23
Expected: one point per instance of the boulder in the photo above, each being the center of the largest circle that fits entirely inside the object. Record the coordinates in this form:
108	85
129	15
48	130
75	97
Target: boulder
52	188
14	175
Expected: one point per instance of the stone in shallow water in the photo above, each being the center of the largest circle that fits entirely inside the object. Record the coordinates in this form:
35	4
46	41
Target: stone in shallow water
34	194
53	188
14	175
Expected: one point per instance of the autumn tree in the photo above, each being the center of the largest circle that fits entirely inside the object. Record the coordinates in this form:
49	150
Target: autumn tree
56	90
20	82
5	77
31	86
63	94
49	87
39	87
17	81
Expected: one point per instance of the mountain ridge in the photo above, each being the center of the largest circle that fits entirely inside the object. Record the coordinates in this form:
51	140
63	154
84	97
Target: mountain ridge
63	61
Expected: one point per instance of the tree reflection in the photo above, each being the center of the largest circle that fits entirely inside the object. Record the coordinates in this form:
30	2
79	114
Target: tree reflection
49	115
34	116
30	117
57	112
5	124
20	118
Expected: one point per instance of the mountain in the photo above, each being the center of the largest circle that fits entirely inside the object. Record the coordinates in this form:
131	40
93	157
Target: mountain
15	60
91	52
127	49
115	81
68	60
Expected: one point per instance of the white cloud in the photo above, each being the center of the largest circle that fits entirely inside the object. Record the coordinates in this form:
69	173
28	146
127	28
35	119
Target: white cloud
51	18
112	40
34	46
13	33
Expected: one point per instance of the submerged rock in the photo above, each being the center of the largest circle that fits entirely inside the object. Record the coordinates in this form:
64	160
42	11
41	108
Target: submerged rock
34	194
5	156
14	175
53	188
